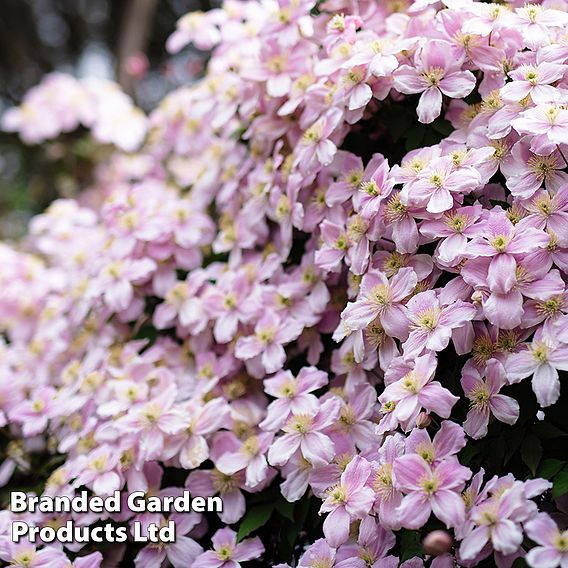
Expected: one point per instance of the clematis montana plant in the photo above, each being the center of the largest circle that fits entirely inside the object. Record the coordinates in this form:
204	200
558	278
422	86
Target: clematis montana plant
326	282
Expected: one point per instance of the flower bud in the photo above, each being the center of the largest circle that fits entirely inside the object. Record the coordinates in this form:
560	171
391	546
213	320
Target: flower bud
423	420
437	543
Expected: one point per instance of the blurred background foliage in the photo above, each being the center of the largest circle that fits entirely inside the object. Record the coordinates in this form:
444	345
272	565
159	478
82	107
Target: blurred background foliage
122	40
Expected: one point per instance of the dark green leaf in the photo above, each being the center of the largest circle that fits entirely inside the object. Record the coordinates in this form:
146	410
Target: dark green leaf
415	137
512	442
548	431
549	468
531	452
286	509
410	544
254	519
560	483
520	563
442	126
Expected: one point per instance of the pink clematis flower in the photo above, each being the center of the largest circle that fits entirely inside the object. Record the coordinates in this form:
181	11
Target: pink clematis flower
437	182
266	343
436	72
527	172
497	521
315	143
349	500
318	554
447	442
432	324
542	359
548	124
553	549
533	80
375	186
406	397
151	422
387	495
429	490
227	553
293	395
304	431
230	302
485	400
191	447
116	279
501	241
381	298
456	225
250	457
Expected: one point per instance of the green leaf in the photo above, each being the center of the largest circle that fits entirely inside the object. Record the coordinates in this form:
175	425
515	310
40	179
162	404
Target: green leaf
286	509
512	442
548	431
520	563
415	137
560	483
549	468
443	126
410	544
531	452
254	519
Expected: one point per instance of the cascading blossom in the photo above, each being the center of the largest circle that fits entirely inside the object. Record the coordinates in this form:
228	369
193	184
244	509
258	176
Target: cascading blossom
291	293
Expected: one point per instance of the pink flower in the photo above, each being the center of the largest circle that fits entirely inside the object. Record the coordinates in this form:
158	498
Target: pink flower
542	359
151	422
315	142
415	391
200	420
320	553
293	395
456	226
548	211
485	399
447	442
381	298
373	544
266	343
432	324
230	302
526	171
553	549
304	432
548	124
436	72
250	457
387	495
227	553
497	522
349	500
34	413
501	241
533	80
375	186
429	490
437	182
116	279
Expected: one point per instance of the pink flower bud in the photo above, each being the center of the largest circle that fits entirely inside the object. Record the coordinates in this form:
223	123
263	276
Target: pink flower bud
423	420
437	543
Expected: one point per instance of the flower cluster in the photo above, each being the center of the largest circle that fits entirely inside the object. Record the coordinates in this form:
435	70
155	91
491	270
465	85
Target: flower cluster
61	104
271	295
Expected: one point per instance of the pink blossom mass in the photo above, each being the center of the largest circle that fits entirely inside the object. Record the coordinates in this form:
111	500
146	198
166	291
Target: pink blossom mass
326	281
